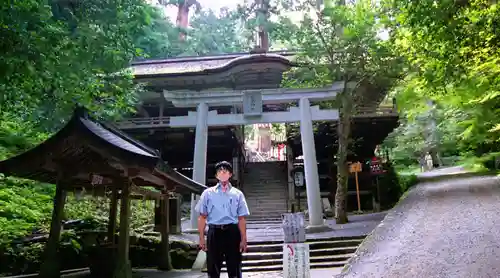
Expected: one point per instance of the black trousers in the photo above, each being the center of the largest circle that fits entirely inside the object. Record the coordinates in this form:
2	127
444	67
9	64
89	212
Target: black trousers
223	243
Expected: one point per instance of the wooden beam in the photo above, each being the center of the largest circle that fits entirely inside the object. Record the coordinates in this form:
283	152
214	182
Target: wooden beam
51	266
147	176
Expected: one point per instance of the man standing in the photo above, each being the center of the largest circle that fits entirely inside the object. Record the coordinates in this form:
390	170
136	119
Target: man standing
223	208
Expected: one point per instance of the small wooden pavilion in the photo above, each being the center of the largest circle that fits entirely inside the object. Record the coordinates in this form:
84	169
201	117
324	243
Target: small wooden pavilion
95	157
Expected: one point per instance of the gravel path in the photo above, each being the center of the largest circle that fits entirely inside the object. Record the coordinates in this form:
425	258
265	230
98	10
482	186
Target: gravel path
441	229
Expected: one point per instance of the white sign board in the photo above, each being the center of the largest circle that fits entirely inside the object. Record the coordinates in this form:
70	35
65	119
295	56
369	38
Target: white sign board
252	103
296	260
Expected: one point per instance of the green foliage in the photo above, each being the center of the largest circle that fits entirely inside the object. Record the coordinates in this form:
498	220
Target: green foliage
209	33
24	205
452	57
59	60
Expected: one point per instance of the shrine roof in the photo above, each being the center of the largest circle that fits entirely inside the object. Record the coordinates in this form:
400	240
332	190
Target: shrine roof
206	64
84	148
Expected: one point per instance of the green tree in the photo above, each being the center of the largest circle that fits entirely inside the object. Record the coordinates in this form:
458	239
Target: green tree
452	54
341	43
54	58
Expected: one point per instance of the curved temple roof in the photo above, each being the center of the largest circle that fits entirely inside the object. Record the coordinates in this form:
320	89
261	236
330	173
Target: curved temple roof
204	65
84	148
220	71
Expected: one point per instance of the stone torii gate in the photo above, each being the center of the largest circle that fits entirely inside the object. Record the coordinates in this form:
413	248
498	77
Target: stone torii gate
252	102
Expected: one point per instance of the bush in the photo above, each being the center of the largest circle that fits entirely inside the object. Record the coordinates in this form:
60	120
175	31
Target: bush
407	181
390	189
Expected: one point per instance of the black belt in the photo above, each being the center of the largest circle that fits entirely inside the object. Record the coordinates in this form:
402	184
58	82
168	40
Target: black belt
221	227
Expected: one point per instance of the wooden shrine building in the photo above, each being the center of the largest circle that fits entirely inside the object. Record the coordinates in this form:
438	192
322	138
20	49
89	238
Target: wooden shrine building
91	155
189	99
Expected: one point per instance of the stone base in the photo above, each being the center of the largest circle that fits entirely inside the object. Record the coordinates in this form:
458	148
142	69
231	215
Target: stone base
318	229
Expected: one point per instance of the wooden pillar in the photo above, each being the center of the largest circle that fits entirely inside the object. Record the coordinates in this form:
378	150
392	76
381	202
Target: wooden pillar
123	268
164	252
51	268
113	208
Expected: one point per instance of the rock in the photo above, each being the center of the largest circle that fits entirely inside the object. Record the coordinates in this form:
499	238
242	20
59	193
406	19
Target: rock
184	245
182	259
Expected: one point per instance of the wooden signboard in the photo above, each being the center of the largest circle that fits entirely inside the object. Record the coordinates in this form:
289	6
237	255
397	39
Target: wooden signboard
356	168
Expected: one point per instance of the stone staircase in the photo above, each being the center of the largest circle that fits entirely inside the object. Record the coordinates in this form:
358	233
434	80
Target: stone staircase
265	188
324	253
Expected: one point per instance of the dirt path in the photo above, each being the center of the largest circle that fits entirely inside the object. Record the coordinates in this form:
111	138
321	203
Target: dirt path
441	229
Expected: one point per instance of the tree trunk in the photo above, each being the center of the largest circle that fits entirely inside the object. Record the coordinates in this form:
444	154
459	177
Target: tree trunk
182	19
263	36
344	128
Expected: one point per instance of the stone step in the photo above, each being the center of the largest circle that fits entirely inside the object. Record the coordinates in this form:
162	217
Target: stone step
279	267
275	205
266	191
312	253
261	215
265	213
271	206
269	220
266	199
324	253
256	213
266	183
319	259
314	245
265	186
263	221
309	240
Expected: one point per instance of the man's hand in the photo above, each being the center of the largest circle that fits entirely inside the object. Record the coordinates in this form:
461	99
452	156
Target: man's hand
243	246
202	244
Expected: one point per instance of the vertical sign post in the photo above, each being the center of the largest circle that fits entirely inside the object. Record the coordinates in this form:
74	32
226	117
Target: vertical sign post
296	263
356	168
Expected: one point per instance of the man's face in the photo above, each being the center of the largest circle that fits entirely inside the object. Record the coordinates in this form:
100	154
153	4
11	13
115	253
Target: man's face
223	175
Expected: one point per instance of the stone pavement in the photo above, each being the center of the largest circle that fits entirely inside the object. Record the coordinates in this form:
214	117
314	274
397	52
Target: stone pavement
444	228
358	225
315	273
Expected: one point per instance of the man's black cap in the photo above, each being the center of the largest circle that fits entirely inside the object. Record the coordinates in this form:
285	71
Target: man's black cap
224	165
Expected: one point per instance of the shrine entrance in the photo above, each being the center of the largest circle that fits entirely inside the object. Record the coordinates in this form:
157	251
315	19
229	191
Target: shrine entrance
248	109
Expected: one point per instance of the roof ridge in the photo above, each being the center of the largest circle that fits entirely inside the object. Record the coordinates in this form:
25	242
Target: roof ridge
82	112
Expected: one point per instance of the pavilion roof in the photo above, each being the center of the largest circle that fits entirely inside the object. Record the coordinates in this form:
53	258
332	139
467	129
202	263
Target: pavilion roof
85	149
